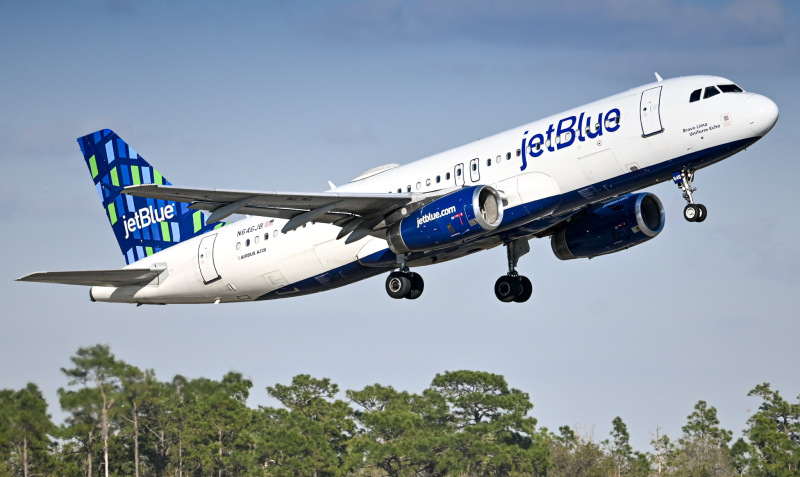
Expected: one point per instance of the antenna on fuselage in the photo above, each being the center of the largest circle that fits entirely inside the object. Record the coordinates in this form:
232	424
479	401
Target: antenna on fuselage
658	77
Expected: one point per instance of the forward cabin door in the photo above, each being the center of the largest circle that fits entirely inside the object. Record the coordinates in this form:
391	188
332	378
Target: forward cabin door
205	259
650	111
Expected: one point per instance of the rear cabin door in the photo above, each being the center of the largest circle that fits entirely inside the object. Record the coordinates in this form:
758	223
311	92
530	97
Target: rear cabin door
650	111
205	259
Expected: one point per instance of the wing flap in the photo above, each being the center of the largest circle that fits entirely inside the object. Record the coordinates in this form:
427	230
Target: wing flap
100	278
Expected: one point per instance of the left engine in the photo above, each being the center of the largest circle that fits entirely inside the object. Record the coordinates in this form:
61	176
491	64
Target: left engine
610	227
457	217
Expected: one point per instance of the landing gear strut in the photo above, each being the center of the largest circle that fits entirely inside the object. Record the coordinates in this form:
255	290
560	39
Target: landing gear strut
692	212
404	283
513	286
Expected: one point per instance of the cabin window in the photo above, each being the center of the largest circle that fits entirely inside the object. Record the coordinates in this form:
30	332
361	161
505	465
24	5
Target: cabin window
498	159
474	166
408	188
419	185
438	179
275	233
255	239
489	161
428	182
266	236
711	91
695	96
730	88
238	245
399	190
508	156
447	176
558	139
519	152
247	243
458	172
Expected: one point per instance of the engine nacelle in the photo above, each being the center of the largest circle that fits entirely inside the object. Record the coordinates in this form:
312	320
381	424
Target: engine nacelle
613	226
463	215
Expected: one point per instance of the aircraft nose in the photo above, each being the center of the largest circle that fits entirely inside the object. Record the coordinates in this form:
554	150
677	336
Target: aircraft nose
761	113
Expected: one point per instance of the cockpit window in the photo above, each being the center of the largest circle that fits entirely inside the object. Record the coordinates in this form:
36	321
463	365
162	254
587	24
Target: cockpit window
730	88
710	91
695	96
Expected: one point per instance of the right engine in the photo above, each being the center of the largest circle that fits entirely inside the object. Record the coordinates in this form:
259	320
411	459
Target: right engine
610	227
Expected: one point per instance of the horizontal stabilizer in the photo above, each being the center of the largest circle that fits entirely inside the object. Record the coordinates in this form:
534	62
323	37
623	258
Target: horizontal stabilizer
99	278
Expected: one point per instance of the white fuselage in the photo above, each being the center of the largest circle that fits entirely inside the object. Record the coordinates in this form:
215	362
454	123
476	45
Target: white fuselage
251	259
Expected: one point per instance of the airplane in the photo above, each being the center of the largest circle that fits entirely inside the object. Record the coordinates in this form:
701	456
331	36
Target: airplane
573	177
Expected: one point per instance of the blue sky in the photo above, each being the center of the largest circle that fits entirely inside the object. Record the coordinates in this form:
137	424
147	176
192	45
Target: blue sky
287	95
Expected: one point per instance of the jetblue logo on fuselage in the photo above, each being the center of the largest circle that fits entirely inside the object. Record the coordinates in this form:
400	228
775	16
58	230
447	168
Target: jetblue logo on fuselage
145	216
566	131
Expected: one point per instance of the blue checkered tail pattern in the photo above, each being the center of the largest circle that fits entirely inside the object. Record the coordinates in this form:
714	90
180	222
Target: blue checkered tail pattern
142	226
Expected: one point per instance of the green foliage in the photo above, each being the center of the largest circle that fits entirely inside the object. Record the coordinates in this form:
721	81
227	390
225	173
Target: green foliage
26	432
774	432
123	421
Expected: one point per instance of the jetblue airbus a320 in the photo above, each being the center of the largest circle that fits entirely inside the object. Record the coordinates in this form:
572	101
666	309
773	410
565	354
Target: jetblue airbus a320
572	177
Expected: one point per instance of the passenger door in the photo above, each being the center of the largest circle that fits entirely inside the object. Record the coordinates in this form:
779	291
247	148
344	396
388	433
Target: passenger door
205	259
650	111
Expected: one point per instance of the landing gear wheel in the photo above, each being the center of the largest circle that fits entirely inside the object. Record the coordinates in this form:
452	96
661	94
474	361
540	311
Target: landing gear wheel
417	285
398	285
703	212
527	290
507	288
691	212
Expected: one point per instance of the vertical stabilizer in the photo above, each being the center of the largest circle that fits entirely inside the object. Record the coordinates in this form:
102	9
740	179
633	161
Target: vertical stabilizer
142	226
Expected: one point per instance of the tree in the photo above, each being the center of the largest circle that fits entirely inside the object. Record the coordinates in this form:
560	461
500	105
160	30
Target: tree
774	432
493	434
217	425
577	455
399	433
619	446
703	424
309	436
137	387
704	446
26	430
97	370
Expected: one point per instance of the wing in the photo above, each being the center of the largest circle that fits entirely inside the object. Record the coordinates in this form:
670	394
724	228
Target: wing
100	278
359	214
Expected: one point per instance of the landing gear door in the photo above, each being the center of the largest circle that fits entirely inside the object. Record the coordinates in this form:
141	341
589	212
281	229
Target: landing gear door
459	175
205	259
650	111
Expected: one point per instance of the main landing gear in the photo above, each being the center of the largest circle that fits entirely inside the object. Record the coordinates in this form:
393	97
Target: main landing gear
404	283
513	286
692	212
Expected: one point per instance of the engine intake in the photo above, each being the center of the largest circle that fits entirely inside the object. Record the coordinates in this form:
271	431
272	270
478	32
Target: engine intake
455	218
612	226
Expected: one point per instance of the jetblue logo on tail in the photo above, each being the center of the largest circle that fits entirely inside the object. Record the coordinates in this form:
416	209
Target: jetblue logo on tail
146	216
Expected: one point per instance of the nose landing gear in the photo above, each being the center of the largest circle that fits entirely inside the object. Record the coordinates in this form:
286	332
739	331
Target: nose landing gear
513	286
692	212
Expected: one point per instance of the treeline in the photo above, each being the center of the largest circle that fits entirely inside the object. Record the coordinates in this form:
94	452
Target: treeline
123	421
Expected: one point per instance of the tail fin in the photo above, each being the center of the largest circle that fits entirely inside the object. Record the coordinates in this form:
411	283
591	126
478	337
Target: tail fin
142	226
